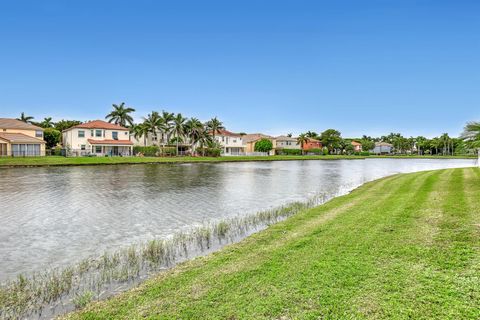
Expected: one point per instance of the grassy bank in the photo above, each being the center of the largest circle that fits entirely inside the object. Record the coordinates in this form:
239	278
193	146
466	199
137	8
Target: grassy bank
62	161
406	246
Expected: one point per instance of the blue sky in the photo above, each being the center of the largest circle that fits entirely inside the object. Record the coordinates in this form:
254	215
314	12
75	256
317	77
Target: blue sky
363	67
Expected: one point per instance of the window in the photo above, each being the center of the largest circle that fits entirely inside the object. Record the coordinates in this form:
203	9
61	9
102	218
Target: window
39	133
98	133
81	134
98	149
234	140
91	133
82	147
115	135
126	132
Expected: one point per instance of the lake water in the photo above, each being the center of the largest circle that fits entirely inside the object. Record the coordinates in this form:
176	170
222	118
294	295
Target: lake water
56	216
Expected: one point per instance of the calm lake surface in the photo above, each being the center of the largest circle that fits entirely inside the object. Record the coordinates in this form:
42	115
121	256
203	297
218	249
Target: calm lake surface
57	216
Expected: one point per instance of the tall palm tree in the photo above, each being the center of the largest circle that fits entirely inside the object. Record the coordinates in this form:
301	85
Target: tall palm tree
194	129
214	125
178	129
152	123
140	130
471	135
121	115
302	139
47	123
166	125
25	118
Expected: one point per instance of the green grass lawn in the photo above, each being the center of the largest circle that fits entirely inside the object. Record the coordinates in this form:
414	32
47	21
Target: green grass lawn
62	161
404	247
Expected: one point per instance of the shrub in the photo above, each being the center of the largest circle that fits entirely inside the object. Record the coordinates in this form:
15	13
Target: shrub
315	151
151	151
263	145
325	151
168	151
209	152
289	152
52	137
364	153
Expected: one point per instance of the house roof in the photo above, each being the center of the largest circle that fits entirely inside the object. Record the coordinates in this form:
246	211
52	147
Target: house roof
226	133
313	140
19	138
98	124
111	142
255	136
7	123
285	138
355	143
383	144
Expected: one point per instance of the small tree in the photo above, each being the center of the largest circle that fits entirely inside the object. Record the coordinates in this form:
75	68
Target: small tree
52	137
263	145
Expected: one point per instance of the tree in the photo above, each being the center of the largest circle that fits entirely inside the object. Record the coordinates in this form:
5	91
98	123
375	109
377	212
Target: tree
25	118
302	140
195	131
331	139
263	145
290	135
471	135
140	130
214	125
311	134
52	137
121	115
66	124
47	123
367	144
152	123
166	125
178	128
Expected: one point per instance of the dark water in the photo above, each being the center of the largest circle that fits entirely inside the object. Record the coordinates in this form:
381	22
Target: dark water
57	216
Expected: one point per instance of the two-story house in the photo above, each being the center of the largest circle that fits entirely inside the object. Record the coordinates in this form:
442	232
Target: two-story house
232	143
99	138
249	140
284	142
20	139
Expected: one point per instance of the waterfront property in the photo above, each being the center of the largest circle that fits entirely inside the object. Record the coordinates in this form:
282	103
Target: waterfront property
97	138
249	141
382	148
20	139
284	142
312	143
231	143
357	146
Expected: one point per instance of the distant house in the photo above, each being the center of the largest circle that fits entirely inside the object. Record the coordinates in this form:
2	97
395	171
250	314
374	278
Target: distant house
232	143
284	142
382	148
357	146
98	138
20	139
312	144
249	141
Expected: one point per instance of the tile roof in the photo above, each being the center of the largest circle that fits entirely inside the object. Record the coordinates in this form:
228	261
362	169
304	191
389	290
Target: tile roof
355	143
383	144
99	124
226	133
255	136
19	138
112	142
6	123
285	138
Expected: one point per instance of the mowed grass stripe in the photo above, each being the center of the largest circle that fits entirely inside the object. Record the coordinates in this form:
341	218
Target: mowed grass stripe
364	255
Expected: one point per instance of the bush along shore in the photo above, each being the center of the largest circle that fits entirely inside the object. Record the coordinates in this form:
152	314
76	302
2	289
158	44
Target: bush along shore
403	247
53	292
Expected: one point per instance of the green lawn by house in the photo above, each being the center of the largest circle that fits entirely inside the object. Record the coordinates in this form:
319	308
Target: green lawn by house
407	246
62	161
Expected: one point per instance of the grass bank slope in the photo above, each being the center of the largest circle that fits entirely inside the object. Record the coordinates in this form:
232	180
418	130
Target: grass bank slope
407	246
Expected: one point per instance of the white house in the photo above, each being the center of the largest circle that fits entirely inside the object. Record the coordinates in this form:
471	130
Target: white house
99	138
382	148
232	143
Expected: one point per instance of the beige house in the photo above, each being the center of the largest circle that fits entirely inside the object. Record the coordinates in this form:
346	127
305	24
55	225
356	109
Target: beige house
20	139
99	138
284	142
249	141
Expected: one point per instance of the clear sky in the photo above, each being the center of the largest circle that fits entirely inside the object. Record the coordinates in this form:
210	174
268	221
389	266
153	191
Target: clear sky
363	67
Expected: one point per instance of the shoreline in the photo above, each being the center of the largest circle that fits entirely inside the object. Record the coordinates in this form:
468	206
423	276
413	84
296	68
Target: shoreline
54	161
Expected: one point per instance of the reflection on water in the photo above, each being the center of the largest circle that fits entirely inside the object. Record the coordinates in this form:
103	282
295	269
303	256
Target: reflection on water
57	216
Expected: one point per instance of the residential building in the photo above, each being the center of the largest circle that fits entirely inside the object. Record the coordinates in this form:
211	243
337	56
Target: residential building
98	138
382	148
284	142
312	144
357	146
232	143
249	141
20	139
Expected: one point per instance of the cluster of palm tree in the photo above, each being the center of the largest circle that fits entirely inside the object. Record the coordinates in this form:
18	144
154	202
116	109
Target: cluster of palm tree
168	128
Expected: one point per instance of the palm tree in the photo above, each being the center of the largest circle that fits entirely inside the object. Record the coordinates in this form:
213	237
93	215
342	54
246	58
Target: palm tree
24	118
152	123
47	123
302	139
140	130
471	135
166	125
214	125
178	128
121	115
194	129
